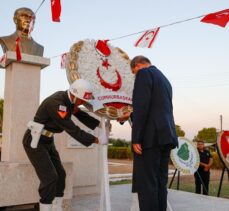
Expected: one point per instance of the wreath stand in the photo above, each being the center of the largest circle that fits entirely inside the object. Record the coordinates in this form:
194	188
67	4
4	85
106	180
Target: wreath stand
105	204
178	179
223	170
221	179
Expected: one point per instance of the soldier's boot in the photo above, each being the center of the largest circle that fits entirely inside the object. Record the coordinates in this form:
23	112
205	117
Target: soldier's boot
57	204
45	207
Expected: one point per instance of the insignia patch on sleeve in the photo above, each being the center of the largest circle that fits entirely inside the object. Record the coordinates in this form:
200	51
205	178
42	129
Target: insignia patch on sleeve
62	108
62	114
62	111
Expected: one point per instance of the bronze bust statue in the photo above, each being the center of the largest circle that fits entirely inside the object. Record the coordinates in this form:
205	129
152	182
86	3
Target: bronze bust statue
22	18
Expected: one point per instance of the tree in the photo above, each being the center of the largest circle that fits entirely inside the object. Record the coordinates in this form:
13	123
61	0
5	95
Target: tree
207	135
179	131
1	114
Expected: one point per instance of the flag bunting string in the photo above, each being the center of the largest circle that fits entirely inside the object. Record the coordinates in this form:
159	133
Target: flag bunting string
132	34
163	26
39	6
216	15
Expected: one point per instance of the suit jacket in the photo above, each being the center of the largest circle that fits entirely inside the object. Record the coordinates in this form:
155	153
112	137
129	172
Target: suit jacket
153	122
27	46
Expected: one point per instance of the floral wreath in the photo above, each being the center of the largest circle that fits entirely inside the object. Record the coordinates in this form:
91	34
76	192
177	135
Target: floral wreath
107	68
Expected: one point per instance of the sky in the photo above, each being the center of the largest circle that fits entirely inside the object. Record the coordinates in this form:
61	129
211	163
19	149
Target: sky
192	55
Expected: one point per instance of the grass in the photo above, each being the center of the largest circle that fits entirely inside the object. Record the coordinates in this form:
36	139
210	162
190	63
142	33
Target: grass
121	182
213	188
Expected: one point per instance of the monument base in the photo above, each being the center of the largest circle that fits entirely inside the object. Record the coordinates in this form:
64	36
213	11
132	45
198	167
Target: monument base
19	184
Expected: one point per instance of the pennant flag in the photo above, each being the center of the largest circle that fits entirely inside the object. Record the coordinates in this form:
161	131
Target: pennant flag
220	18
31	26
3	60
18	52
147	39
63	60
56	10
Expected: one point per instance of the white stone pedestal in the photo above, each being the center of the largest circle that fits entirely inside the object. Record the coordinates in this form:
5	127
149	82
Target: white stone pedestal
19	183
18	179
21	100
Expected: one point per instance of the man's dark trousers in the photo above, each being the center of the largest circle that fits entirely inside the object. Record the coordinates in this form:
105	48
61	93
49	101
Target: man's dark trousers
151	177
202	180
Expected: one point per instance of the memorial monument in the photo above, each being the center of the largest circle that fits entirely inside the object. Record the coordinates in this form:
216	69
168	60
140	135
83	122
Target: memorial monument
24	19
21	99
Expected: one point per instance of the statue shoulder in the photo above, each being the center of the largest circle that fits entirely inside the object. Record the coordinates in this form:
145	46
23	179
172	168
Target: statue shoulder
40	48
8	38
8	42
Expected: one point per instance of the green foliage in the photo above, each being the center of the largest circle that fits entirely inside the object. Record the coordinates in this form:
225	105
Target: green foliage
179	131
217	164
119	152
122	182
119	142
1	113
189	186
207	135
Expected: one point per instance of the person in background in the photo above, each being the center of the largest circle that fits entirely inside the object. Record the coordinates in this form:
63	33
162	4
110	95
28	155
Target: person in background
202	175
54	116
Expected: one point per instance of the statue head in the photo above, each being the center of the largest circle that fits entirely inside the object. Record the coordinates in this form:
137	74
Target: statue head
22	18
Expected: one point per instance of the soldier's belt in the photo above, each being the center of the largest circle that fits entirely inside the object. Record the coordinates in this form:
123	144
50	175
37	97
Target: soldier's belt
47	133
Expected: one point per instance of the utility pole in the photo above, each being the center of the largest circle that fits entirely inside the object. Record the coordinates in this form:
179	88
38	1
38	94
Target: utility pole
221	122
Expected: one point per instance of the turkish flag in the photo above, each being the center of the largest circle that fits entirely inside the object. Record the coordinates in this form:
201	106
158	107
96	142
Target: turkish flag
220	18
147	39
56	10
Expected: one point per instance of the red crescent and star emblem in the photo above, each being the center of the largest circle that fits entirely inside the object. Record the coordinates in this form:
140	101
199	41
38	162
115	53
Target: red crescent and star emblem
104	49
114	87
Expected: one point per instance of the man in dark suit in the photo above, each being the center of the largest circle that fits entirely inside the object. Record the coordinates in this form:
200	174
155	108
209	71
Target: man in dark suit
22	19
153	134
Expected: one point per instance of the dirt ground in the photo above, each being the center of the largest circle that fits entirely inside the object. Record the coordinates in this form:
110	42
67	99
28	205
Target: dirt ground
117	166
120	166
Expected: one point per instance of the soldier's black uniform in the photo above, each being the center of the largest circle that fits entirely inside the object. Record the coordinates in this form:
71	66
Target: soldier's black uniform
55	114
201	176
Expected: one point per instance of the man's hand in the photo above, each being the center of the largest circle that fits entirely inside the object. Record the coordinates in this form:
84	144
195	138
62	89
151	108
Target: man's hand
137	148
124	118
206	168
96	141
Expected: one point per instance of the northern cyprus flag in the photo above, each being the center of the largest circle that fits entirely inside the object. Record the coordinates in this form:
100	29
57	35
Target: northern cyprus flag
220	18
146	40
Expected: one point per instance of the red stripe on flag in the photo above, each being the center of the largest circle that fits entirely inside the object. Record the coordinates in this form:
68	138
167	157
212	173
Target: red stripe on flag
31	26
3	60
137	43
56	10
154	37
18	52
63	60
